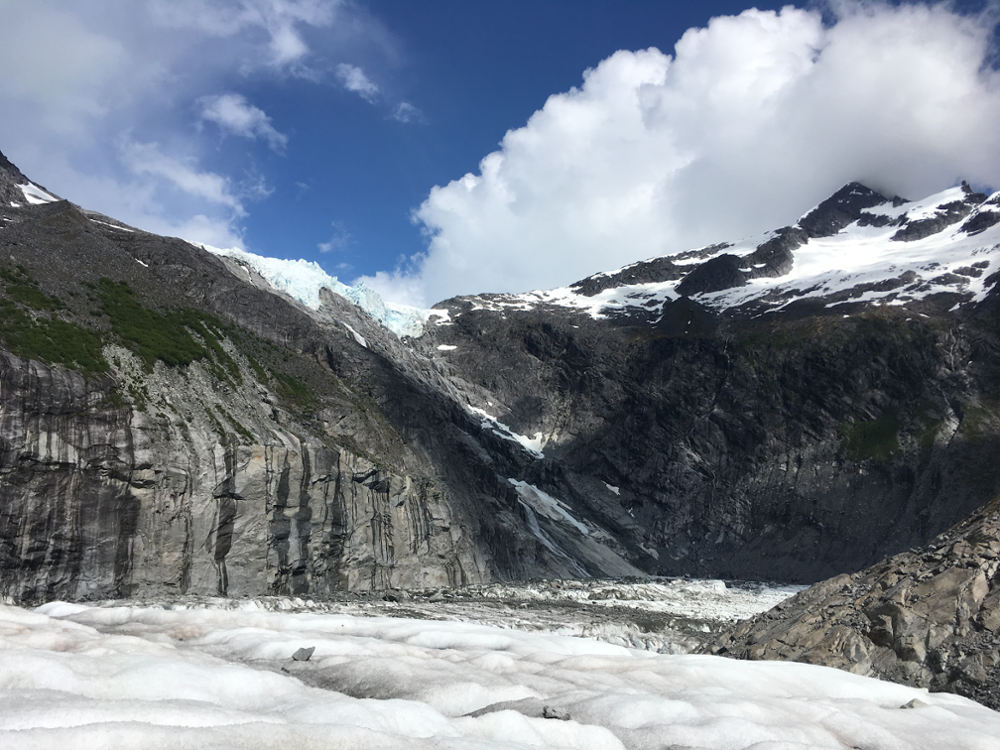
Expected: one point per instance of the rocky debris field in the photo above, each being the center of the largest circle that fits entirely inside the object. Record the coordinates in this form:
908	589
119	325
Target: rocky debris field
929	617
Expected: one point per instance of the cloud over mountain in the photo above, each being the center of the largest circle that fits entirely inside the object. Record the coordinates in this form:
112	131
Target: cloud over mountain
235	115
748	124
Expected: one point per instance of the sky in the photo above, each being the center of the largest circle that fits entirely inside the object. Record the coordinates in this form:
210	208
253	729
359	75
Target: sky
448	147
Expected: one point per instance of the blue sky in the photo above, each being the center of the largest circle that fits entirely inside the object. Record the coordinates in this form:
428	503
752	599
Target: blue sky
342	132
474	70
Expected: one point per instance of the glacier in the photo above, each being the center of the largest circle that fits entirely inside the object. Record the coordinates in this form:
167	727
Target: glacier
179	675
302	280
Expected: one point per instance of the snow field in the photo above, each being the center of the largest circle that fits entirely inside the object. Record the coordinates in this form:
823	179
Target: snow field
823	266
116	677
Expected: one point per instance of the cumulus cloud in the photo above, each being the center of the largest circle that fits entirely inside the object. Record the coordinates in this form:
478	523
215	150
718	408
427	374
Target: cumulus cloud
354	79
234	114
748	124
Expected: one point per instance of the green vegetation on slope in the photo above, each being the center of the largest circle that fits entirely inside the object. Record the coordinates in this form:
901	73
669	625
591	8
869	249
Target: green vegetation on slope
149	334
877	439
29	329
167	337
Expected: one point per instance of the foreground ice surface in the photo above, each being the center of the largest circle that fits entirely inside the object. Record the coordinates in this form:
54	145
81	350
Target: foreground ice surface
116	677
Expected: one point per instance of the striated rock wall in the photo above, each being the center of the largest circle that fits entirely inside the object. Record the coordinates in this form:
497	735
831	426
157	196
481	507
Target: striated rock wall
98	499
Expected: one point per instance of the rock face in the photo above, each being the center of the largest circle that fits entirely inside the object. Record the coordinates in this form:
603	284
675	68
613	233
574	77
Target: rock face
169	422
786	448
166	426
929	617
100	499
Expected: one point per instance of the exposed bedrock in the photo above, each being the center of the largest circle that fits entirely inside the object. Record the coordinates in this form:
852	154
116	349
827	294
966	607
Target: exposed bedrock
99	500
787	448
929	617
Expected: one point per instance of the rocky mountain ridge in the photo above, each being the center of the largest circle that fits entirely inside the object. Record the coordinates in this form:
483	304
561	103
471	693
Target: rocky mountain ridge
818	421
172	423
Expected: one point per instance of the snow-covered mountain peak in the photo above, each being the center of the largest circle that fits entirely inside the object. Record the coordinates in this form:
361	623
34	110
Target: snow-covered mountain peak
16	190
856	247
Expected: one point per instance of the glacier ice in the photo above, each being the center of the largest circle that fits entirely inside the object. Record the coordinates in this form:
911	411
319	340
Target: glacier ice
179	677
302	280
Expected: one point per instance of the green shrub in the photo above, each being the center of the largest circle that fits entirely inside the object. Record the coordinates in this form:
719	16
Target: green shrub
149	334
24	290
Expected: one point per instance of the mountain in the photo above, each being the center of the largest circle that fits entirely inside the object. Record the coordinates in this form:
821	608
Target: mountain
788	407
181	419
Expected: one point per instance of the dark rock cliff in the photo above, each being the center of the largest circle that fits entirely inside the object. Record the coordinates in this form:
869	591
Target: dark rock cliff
787	447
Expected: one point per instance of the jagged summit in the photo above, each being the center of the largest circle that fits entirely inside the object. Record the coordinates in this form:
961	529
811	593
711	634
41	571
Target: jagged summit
857	247
845	206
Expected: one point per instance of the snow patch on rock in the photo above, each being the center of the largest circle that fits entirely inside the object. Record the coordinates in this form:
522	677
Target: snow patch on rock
35	195
489	422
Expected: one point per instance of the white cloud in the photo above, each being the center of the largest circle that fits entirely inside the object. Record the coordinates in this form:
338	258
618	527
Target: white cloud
354	79
753	120
146	159
143	200
339	240
277	18
399	287
196	228
287	46
234	114
60	71
105	92
406	112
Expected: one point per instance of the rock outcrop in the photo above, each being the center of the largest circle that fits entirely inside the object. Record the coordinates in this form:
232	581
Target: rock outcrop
929	617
